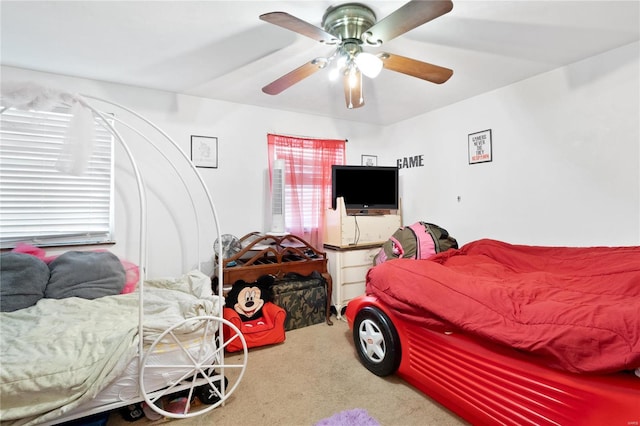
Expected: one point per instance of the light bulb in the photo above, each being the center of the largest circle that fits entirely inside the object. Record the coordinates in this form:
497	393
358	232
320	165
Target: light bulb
353	78
369	64
340	63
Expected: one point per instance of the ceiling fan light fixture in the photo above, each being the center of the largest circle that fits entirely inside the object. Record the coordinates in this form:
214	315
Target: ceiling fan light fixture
352	26
353	87
369	64
340	60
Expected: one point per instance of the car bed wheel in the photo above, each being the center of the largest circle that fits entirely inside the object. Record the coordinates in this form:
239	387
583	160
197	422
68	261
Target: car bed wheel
376	342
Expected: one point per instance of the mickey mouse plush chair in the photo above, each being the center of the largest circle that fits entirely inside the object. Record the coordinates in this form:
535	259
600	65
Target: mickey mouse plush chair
250	307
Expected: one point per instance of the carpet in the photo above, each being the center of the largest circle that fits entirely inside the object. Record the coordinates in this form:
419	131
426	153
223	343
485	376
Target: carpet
355	417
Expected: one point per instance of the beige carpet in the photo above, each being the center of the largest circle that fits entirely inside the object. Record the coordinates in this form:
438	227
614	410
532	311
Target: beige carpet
314	374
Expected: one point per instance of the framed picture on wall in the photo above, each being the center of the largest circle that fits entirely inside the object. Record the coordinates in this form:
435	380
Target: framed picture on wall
369	160
480	150
204	151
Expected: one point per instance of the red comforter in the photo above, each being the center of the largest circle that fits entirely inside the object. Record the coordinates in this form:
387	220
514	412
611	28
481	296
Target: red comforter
578	309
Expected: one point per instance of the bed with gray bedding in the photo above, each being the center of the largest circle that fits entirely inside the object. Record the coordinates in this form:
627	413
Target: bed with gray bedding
67	332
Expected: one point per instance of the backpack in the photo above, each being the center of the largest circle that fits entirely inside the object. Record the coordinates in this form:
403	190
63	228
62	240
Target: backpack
418	241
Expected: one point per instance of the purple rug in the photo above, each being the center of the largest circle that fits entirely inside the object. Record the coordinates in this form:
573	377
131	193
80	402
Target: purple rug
355	417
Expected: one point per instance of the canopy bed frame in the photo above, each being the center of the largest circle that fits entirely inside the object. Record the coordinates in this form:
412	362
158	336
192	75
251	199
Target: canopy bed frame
194	339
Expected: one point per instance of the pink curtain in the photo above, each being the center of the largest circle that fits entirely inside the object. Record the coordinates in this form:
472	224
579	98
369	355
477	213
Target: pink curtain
307	181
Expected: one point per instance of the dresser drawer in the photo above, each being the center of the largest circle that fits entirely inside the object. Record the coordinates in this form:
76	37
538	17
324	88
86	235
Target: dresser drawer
359	257
354	274
350	291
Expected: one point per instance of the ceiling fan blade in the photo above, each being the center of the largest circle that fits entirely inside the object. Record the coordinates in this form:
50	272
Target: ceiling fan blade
352	82
291	78
408	17
415	68
299	26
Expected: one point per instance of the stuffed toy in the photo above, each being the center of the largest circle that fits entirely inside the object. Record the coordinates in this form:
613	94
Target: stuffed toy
247	299
250	308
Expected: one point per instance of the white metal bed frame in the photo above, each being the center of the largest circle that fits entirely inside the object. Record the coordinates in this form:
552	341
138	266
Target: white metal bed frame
199	372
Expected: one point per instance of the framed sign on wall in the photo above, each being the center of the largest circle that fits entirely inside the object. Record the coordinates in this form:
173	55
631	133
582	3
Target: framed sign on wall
204	151
369	160
480	150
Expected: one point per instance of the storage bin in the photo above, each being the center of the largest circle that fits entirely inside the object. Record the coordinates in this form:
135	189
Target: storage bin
304	298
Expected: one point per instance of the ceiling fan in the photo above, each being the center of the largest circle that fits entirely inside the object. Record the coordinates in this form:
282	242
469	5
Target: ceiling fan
351	26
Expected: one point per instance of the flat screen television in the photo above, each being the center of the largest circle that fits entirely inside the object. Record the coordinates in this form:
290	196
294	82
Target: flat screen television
365	187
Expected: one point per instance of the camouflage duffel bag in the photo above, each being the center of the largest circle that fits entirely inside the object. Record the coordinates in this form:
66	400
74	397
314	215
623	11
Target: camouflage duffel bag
303	297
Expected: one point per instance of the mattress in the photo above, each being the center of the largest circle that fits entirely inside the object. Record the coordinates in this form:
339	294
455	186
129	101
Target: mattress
162	363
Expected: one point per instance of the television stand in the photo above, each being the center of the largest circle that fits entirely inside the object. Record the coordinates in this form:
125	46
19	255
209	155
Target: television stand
348	228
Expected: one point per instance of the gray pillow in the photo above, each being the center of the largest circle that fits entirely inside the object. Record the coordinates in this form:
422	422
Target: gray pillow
23	279
86	274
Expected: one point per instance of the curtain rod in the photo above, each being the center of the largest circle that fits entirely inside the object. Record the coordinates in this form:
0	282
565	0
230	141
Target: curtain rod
304	137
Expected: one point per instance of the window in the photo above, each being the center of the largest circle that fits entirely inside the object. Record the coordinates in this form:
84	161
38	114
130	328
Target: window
307	181
40	205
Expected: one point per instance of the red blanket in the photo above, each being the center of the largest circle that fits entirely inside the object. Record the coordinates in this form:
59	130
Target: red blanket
578	309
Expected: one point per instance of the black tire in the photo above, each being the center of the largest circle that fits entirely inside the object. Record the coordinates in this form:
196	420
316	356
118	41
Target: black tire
376	341
207	395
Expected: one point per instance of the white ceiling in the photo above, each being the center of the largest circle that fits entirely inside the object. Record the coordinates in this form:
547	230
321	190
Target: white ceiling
221	50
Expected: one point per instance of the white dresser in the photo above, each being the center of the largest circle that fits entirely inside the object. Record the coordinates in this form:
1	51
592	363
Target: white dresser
348	267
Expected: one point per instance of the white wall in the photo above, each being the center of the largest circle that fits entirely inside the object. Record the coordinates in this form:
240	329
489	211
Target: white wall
566	158
237	185
566	167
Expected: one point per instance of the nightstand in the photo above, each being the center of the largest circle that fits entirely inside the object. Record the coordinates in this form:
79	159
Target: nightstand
348	267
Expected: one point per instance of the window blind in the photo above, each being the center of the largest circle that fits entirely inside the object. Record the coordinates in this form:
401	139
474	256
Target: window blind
39	204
